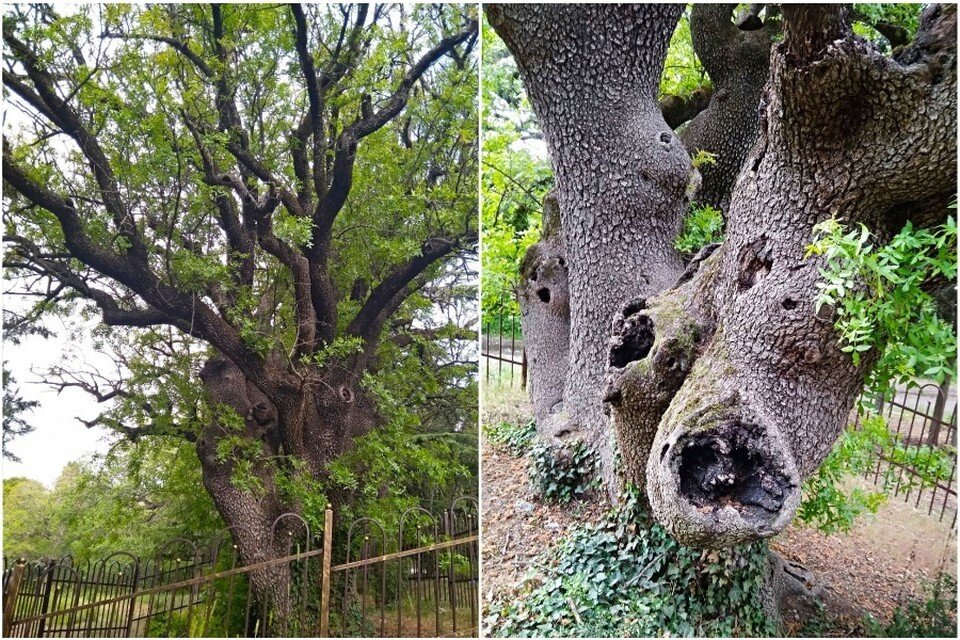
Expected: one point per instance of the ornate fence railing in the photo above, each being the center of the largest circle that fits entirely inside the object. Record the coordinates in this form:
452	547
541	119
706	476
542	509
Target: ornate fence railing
420	581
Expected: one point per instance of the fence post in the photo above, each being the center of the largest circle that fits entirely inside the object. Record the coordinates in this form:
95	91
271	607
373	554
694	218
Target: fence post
523	368
45	602
938	408
325	574
133	600
10	597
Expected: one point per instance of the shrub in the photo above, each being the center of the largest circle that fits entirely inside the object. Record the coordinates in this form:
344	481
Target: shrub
935	617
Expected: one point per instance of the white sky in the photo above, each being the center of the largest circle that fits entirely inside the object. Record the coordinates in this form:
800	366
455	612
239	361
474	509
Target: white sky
59	438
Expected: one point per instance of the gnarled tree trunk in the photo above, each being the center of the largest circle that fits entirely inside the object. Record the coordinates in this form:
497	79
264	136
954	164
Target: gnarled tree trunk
764	388
592	73
545	318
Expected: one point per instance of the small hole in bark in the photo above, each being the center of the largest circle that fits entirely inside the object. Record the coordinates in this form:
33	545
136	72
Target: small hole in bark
613	396
561	262
725	467
634	306
755	263
789	304
563	433
346	393
633	343
543	294
665	137
663	452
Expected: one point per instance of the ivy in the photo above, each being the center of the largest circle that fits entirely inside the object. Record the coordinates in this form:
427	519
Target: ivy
564	472
627	577
517	438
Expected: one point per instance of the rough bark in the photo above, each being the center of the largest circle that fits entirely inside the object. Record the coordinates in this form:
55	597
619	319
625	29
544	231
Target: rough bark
737	59
545	320
766	390
592	74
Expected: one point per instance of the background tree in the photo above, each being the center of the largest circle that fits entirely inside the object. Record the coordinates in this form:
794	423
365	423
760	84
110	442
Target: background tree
284	195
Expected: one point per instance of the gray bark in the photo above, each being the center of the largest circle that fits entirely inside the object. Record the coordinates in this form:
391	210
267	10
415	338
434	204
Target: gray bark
592	74
738	63
766	389
545	320
316	427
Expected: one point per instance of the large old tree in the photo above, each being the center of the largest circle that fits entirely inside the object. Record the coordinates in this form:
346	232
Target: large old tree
724	385
276	204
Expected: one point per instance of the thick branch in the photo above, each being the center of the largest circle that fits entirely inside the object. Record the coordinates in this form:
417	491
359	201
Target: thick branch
72	125
372	315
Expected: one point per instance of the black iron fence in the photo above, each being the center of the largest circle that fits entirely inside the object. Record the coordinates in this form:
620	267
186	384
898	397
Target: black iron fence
418	579
919	416
503	359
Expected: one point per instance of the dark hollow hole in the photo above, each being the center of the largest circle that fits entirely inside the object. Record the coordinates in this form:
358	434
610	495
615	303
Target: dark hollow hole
789	303
663	451
633	343
561	262
543	294
634	306
665	137
721	470
754	265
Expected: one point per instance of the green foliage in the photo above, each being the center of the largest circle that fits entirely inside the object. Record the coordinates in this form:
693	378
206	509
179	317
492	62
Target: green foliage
905	15
702	225
136	100
516	438
880	301
564	472
824	504
515	177
682	71
15	406
935	617
827	506
134	499
627	577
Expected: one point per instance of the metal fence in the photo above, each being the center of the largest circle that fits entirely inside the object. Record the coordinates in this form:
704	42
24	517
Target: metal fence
503	359
419	581
919	416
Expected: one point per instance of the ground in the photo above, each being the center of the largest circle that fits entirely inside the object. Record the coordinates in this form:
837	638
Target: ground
883	562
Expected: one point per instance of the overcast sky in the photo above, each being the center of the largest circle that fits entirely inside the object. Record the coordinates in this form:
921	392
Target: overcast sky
59	438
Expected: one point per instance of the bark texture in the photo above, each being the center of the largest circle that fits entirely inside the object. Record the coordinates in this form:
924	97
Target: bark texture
545	319
592	74
766	389
737	59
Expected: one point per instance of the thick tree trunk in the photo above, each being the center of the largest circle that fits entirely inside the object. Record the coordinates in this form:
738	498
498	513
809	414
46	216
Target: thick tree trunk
765	389
738	62
592	74
251	439
545	319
